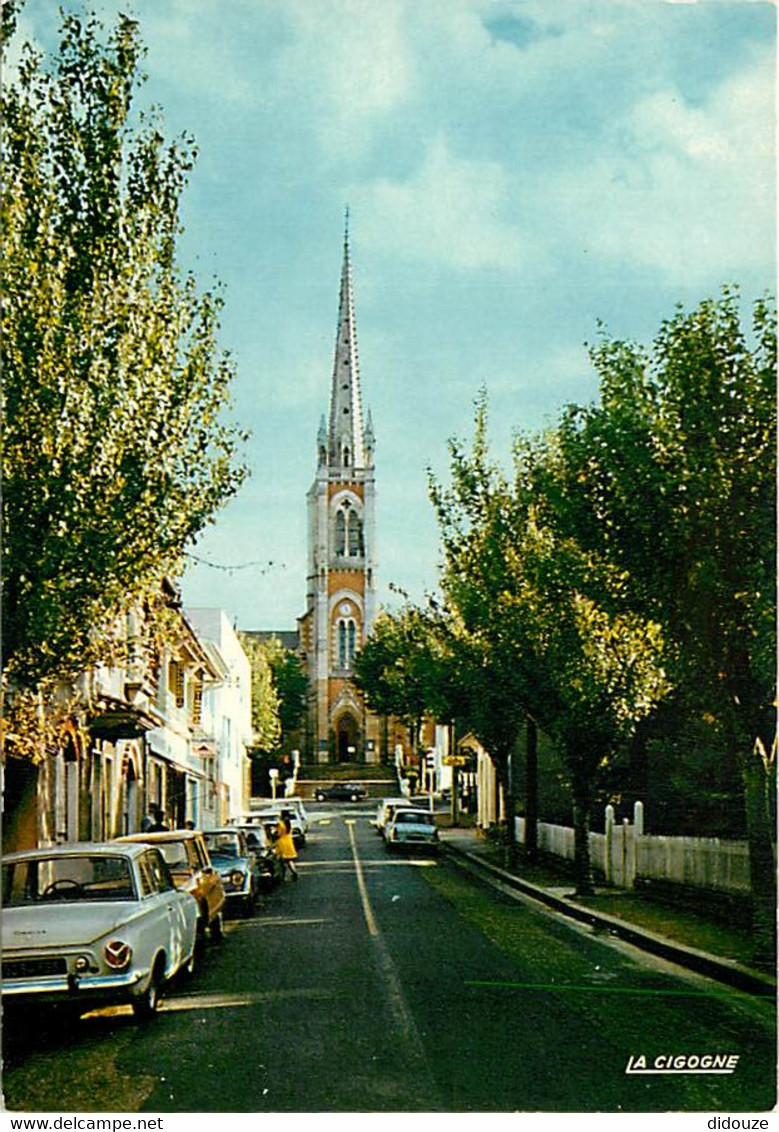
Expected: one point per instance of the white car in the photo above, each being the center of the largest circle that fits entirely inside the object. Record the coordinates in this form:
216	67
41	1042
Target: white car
89	924
409	828
391	808
271	813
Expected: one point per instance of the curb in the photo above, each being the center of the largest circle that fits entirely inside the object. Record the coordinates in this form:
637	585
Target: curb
731	973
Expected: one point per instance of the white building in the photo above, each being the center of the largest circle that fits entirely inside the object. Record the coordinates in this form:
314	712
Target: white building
226	719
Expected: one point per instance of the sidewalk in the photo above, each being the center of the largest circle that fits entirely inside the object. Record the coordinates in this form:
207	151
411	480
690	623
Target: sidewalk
685	937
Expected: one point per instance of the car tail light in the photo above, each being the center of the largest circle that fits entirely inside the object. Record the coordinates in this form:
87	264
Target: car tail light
117	954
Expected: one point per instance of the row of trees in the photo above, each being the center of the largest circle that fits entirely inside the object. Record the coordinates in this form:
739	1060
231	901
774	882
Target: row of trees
117	448
618	588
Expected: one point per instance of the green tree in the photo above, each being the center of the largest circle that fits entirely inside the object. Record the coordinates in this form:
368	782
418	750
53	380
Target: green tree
545	629
672	476
116	450
393	668
266	722
290	681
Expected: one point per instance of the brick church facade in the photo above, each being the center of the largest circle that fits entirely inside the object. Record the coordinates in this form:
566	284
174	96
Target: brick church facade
341	569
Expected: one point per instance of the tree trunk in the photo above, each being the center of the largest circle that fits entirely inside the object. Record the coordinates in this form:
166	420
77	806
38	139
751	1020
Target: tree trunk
582	803
762	856
504	779
531	790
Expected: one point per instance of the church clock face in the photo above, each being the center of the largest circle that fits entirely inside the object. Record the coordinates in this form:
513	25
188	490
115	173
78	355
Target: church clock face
345	609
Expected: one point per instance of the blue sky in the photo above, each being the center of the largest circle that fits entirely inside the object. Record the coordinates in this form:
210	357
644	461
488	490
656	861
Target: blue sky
516	171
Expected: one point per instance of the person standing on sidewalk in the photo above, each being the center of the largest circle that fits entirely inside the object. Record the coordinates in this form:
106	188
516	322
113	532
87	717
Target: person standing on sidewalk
285	847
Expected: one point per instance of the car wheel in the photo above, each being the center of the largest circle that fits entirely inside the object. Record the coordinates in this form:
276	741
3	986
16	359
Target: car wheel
145	1005
218	928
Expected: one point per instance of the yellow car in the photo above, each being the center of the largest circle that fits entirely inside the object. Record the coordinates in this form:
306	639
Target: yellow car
190	866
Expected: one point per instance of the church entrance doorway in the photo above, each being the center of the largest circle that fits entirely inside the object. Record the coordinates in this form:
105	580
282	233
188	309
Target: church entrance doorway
347	737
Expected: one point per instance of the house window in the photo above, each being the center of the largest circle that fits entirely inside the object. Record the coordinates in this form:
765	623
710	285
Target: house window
197	700
176	682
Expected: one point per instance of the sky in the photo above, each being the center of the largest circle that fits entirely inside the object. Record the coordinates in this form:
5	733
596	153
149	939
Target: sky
517	172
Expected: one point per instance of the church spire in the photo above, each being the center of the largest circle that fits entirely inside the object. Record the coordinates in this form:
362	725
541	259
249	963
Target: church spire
345	438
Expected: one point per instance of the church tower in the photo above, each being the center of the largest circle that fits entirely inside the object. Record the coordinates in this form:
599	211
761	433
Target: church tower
341	583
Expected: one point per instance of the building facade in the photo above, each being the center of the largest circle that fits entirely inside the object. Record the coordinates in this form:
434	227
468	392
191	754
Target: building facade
341	571
164	726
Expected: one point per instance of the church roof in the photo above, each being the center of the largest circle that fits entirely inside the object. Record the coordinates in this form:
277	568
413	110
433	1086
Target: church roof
345	436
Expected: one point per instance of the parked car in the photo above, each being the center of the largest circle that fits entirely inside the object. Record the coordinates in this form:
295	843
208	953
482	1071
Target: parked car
237	867
293	803
260	843
187	858
271	813
386	809
88	924
411	827
341	792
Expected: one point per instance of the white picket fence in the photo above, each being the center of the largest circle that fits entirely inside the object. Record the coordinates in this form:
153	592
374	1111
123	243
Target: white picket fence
625	854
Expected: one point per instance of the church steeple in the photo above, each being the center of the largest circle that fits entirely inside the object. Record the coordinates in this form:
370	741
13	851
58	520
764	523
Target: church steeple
345	438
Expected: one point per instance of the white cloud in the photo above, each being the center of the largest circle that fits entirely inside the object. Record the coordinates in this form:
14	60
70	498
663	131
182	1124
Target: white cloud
452	212
347	63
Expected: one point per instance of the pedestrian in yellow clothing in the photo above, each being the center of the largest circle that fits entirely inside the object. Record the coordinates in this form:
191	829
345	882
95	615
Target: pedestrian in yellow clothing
285	847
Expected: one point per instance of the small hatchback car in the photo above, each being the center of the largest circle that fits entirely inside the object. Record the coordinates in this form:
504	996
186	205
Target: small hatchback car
190	866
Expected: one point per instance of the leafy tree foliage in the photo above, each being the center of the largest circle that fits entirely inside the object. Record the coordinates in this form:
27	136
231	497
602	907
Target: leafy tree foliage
394	668
546	629
672	477
116	450
290	682
266	722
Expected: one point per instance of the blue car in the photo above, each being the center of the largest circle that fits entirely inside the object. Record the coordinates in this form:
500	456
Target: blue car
237	867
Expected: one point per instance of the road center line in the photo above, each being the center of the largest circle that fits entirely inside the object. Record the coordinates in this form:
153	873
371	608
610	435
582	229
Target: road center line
366	904
420	1074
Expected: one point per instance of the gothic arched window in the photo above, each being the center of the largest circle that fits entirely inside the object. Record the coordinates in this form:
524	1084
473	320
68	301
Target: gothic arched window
346	642
340	532
355	536
342	644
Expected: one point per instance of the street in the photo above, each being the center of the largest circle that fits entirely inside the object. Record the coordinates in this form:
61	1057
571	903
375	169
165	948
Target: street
383	983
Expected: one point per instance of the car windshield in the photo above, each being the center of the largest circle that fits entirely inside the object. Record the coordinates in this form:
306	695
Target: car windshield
223	845
175	854
71	878
413	819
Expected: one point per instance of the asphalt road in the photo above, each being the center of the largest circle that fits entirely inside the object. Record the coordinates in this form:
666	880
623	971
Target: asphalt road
397	984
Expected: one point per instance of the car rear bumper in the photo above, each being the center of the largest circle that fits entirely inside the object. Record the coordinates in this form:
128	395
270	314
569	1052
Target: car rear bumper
74	986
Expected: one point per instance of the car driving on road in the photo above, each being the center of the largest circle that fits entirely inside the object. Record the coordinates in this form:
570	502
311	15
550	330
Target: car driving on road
341	792
87	924
409	828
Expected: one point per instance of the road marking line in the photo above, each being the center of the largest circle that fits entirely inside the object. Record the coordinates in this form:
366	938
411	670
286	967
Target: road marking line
403	1018
262	922
366	904
599	988
206	1001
